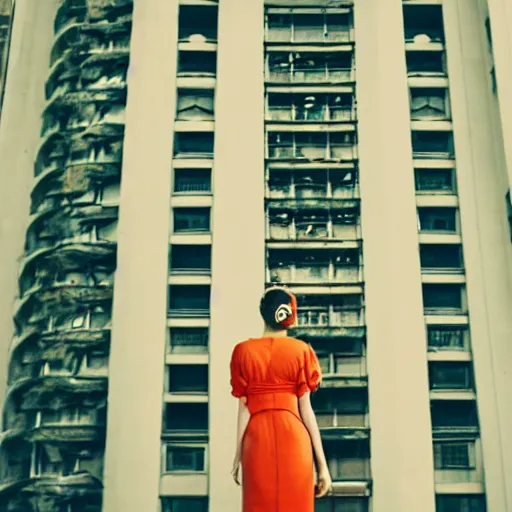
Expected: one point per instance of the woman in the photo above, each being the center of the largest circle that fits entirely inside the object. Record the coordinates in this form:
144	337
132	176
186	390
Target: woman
273	377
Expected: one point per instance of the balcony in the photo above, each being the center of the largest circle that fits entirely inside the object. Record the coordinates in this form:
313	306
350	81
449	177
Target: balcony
435	181
450	417
426	65
457	461
314	267
303	146
191	220
340	370
193	145
318	184
310	68
338	503
309	27
197	64
188	340
429	104
187	380
195	105
461	502
313	226
448	338
438	220
304	108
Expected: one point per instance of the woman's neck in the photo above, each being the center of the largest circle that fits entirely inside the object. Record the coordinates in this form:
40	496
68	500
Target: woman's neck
270	333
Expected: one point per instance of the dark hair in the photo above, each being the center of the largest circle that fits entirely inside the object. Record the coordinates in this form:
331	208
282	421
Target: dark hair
271	301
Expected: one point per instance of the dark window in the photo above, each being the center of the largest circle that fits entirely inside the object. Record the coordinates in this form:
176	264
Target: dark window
460	503
429	144
186	417
435	180
190	257
450	375
425	21
197	63
437	219
341	400
183	298
193	145
442	256
454	414
442	296
446	337
340	504
429	63
189	340
188	378
185	504
454	455
198	22
185	458
189	220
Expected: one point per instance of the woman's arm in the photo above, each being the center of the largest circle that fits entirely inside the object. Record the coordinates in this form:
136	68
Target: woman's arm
309	419
243	420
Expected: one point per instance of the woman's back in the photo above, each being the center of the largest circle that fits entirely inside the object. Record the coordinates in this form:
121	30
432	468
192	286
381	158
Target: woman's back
271	373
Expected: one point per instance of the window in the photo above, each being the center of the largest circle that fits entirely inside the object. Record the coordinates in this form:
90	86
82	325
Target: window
443	297
186	417
191	220
192	181
192	258
189	299
195	105
197	63
454	455
450	375
441	256
428	103
425	63
454	414
348	459
341	400
443	220
446	338
435	180
197	23
423	23
96	360
185	458
432	145
339	504
188	378
460	503
189	340
184	504
193	145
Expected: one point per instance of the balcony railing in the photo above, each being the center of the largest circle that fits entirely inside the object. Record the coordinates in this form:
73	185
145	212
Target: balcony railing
311	151
457	476
314	273
329	316
315	75
334	419
318	114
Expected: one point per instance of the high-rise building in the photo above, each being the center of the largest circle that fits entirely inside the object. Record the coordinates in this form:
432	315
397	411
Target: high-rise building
162	161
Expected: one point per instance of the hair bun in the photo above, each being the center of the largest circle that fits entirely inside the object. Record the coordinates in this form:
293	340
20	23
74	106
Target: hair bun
283	312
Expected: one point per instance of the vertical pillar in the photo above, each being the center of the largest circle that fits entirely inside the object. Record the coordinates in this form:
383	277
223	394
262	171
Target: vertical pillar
238	224
485	238
401	440
132	460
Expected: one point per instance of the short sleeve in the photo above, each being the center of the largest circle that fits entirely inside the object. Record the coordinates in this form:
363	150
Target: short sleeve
238	383
310	375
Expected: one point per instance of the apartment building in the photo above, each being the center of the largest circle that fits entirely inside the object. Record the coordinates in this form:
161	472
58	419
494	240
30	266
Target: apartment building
178	156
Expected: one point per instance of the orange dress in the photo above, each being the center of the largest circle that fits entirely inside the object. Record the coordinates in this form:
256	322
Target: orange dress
277	456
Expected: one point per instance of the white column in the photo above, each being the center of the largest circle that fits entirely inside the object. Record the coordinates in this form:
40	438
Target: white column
132	460
485	240
238	224
20	128
401	440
